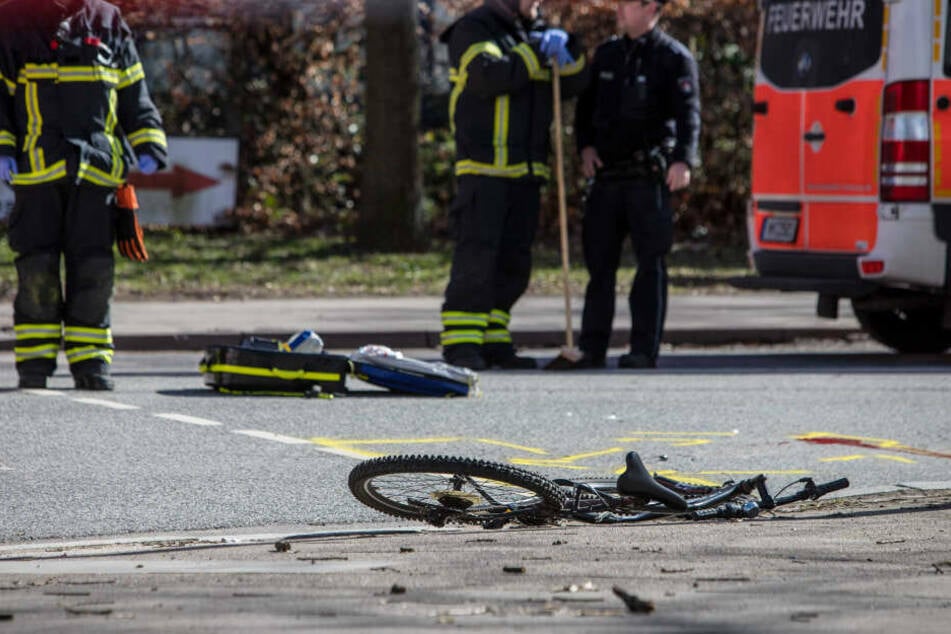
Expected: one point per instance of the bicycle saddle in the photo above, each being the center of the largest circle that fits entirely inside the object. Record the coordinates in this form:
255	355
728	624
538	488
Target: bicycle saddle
637	480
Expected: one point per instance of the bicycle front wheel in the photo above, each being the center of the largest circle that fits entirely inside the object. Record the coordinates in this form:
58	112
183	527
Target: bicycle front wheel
440	489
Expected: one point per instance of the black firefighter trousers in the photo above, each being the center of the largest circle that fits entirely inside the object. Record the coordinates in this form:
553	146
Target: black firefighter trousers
494	221
639	208
75	223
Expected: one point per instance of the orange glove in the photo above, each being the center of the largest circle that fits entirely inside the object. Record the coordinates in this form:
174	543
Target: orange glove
129	236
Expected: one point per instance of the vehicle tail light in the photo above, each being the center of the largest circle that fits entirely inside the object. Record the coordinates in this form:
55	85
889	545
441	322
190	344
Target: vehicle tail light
906	143
872	267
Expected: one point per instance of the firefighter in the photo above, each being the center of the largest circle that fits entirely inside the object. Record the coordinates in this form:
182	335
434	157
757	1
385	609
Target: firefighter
501	112
74	114
638	124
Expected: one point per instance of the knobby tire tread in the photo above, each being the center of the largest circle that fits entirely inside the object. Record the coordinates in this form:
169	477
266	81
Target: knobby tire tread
551	496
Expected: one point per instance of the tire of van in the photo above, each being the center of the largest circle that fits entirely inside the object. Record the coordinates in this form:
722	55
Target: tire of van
907	330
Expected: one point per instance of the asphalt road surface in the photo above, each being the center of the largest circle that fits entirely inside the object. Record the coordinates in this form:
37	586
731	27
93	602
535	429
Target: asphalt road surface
164	453
228	514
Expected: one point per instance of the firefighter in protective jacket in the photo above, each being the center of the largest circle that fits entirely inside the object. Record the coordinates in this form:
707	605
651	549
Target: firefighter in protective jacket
501	113
75	112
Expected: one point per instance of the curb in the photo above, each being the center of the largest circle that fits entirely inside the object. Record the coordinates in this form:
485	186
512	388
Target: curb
430	339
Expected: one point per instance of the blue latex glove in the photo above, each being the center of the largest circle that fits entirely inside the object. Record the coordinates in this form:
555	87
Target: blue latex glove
8	167
147	164
554	44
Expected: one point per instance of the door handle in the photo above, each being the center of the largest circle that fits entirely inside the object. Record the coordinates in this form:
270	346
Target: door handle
760	107
814	136
845	105
943	102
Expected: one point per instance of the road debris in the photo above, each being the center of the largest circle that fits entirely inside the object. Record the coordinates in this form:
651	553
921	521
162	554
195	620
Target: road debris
633	602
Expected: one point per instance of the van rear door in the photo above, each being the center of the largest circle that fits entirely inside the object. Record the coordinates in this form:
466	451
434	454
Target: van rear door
817	128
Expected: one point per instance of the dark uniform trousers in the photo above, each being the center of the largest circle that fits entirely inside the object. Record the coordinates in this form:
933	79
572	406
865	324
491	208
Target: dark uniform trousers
617	208
74	222
494	223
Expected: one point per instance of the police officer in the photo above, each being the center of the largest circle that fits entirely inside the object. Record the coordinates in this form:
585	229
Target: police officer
638	124
501	112
74	111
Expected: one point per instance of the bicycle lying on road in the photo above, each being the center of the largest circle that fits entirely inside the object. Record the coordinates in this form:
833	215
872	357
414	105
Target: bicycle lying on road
443	489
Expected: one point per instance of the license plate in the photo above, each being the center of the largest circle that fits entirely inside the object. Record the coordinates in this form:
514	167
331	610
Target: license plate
779	229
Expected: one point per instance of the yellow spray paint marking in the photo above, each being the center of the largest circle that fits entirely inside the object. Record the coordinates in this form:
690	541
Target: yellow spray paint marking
677	438
499	443
565	462
842	458
683	477
353	445
901	459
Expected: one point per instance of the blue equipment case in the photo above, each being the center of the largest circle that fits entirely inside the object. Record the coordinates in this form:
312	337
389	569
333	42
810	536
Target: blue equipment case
384	367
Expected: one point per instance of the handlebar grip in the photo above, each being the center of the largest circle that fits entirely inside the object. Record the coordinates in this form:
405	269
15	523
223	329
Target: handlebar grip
829	487
746	510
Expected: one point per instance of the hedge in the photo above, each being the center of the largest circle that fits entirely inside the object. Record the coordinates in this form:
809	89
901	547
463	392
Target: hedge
293	81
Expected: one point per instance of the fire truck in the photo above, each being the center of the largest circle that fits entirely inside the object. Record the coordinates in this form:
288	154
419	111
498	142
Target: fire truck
851	173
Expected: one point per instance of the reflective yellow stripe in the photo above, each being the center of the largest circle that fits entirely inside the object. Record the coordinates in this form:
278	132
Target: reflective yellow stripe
524	50
459	318
34	127
276	373
509	171
501	131
7	138
131	75
111	121
460	77
456	337
500	317
27	353
55	72
96	74
148	135
11	86
97	177
498	336
102	336
32	331
33	72
573	69
78	355
48	175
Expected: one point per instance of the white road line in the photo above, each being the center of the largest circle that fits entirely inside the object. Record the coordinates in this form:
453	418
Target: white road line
191	420
109	404
289	440
266	435
44	392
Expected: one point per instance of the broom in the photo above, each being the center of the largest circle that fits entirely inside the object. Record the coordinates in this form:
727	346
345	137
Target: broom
569	353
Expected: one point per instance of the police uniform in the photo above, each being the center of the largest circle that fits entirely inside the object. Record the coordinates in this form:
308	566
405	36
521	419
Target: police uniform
74	111
641	112
501	113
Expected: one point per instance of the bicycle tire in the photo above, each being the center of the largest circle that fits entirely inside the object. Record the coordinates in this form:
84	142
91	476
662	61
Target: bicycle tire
439	489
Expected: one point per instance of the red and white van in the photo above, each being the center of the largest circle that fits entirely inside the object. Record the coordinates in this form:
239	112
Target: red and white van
852	162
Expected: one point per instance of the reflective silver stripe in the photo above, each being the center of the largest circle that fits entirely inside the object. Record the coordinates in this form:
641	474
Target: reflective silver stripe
76	355
36	331
100	336
500	317
459	318
498	336
455	337
25	353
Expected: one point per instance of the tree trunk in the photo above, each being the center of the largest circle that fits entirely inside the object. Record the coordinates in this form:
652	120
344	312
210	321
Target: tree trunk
390	206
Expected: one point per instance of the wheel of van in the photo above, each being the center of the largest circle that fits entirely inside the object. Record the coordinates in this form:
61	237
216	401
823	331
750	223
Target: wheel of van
909	330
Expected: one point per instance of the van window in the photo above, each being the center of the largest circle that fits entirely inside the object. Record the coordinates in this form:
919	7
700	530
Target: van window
819	43
947	43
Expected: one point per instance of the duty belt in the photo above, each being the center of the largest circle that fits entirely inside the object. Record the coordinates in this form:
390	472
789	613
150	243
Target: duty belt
641	166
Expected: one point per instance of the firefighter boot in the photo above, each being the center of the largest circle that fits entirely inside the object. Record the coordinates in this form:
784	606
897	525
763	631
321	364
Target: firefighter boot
465	355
